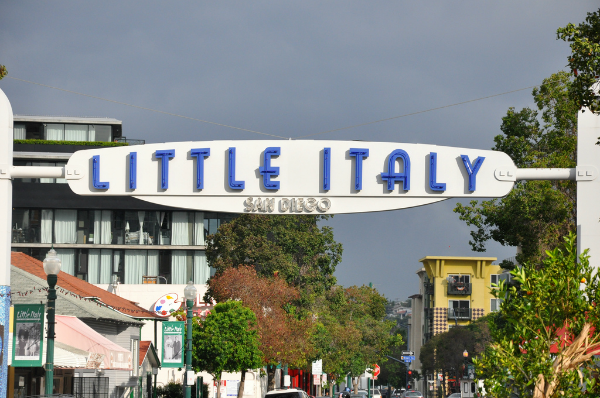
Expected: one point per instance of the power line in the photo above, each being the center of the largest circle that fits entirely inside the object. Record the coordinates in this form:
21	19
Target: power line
414	113
273	135
144	108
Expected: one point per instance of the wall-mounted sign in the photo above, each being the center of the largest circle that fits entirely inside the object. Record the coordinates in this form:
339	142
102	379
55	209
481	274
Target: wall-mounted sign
28	339
167	304
172	344
283	177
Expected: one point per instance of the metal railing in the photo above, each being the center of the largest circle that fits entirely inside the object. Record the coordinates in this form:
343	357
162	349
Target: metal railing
130	141
428	288
459	288
459	313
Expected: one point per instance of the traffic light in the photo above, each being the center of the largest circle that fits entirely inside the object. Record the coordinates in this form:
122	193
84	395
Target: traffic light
408	387
410	373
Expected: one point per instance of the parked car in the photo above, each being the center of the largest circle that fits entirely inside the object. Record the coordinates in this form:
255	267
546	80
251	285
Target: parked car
412	394
375	393
455	395
287	393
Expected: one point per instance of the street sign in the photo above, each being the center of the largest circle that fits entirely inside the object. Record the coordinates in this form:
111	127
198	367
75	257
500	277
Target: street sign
408	353
407	358
376	371
317	367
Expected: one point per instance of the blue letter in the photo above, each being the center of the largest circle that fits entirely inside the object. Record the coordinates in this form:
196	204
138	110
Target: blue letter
164	156
267	170
360	153
96	174
326	169
132	170
472	169
391	176
200	154
435	186
233	184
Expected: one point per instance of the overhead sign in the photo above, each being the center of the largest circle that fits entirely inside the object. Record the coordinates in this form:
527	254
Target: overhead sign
28	339
172	344
283	177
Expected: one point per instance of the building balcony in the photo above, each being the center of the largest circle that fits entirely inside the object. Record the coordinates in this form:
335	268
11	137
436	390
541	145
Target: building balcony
459	288
428	313
459	313
130	141
428	288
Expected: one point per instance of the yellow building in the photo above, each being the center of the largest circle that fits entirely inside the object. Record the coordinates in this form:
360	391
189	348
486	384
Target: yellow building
453	291
457	291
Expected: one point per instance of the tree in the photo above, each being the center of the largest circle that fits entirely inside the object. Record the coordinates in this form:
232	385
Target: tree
543	345
303	253
226	341
283	333
3	71
352	332
444	352
392	372
535	214
584	60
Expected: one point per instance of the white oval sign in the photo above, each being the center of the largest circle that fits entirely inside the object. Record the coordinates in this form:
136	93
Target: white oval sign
284	177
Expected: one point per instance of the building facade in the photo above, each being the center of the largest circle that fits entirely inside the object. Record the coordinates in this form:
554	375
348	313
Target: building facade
453	291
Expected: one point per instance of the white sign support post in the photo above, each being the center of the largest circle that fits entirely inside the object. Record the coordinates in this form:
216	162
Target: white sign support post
6	150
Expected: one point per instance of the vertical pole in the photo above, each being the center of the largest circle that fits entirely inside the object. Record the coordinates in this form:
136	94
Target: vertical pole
368	387
588	190
188	352
6	155
52	279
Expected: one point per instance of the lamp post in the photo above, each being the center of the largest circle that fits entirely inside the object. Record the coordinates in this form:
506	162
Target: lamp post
465	356
52	267
190	293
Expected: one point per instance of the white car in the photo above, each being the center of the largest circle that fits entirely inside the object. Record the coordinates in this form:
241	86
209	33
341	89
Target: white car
287	393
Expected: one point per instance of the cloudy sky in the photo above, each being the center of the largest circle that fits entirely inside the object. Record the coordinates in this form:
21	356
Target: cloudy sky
293	68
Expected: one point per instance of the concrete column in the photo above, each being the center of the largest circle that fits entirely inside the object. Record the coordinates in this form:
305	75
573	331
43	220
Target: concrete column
6	155
588	190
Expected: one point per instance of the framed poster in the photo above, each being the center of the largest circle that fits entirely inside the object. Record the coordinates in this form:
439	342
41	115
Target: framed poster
172	344
28	340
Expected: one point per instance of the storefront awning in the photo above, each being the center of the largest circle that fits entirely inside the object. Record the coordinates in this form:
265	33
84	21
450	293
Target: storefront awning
103	353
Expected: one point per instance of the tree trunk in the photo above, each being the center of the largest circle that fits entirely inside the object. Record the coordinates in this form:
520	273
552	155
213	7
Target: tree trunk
219	387
270	377
355	384
242	380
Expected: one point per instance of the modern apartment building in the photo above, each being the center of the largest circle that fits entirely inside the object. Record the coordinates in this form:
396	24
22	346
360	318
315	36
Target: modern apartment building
453	291
100	238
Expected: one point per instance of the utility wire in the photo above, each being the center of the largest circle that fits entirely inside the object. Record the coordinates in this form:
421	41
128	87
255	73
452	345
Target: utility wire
413	113
273	135
144	108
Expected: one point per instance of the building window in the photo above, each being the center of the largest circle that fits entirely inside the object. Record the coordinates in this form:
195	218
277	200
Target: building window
459	309
494	279
495	304
459	279
135	353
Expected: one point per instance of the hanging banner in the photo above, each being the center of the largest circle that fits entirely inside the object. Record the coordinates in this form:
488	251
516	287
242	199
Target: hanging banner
172	352
28	340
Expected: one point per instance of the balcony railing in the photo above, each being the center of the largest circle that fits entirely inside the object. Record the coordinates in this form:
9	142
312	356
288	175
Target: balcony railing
459	288
130	141
428	288
429	312
459	313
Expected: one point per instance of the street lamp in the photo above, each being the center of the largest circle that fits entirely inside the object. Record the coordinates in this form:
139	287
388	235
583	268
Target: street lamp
190	293
52	265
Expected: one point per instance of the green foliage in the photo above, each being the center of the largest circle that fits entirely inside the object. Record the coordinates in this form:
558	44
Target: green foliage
86	143
226	340
294	246
3	71
392	372
170	390
535	214
539	323
444	352
352	333
584	60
